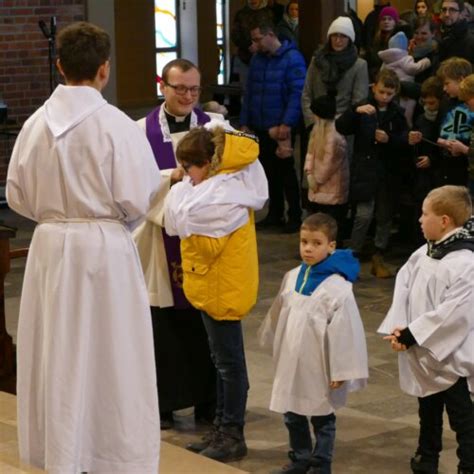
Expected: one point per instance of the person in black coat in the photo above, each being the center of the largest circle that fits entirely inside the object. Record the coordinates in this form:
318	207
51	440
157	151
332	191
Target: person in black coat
381	139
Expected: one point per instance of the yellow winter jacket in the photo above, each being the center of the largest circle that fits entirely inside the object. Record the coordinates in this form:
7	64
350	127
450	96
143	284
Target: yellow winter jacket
221	274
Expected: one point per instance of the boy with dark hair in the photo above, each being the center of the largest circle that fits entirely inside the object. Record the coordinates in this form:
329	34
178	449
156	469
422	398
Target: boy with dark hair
319	346
381	134
430	323
85	172
426	153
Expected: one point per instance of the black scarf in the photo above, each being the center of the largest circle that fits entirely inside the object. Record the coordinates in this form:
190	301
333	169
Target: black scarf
462	239
332	65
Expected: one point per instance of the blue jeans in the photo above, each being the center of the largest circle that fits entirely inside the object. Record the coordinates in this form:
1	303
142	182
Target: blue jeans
304	454
227	352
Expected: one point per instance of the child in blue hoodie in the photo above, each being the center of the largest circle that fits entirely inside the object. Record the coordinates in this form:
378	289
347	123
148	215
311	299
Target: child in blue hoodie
319	346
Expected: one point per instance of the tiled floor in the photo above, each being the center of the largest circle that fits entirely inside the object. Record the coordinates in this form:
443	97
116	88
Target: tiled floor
376	432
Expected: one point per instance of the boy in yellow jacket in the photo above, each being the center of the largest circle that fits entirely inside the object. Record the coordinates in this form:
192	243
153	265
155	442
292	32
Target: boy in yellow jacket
212	212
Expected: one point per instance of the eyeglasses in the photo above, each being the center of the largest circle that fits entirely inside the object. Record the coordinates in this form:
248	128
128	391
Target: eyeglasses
449	10
186	166
180	89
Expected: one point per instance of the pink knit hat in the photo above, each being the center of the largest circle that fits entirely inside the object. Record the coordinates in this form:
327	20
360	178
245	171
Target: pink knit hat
390	11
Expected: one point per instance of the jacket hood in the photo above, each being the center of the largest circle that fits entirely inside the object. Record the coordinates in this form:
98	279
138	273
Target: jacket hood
286	45
392	55
233	151
68	106
344	263
341	262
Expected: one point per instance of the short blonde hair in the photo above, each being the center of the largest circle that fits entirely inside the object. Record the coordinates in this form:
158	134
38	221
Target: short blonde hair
455	69
452	201
466	88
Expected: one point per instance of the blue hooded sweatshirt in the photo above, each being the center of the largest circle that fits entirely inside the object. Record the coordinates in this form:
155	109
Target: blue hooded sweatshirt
341	262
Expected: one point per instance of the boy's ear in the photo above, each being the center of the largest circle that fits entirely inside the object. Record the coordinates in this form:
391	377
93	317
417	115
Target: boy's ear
332	246
446	221
60	69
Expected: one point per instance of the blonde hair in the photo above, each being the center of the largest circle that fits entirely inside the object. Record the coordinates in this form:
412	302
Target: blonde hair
452	201
466	88
454	68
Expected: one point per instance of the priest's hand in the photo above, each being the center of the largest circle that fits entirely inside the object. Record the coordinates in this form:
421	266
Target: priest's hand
333	385
177	175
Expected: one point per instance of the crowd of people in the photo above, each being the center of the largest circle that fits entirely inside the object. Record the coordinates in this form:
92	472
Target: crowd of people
144	261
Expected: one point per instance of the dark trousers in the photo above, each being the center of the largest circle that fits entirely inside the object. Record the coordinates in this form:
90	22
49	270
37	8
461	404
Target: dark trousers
303	453
227	352
460	409
282	180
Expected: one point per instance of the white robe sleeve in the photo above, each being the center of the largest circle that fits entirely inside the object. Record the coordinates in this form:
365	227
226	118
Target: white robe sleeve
443	330
15	185
136	177
266	331
397	315
346	342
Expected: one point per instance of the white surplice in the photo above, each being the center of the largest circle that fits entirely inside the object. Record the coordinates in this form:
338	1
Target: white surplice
87	397
316	339
435	299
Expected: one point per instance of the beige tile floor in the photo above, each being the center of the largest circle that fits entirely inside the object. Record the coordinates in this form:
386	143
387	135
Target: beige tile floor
376	432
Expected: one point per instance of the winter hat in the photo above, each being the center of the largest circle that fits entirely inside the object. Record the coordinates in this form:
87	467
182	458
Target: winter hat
399	41
342	25
324	106
389	11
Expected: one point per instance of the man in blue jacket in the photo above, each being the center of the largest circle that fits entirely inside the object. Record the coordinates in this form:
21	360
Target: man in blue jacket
271	109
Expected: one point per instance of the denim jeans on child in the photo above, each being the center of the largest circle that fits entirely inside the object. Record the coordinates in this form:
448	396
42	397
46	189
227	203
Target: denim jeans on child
304	454
227	352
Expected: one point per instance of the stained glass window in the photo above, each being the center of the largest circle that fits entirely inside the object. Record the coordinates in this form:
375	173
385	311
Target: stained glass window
166	34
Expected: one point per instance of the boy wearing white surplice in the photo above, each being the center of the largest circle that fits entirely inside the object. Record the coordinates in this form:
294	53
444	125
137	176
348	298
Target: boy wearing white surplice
430	324
319	346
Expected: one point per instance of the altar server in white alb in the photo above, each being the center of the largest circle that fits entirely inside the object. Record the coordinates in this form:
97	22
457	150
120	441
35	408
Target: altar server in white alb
87	397
319	347
431	324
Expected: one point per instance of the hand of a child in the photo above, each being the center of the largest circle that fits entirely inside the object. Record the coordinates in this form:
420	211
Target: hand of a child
177	175
366	109
393	338
334	385
283	132
442	142
245	129
414	137
457	148
423	162
381	136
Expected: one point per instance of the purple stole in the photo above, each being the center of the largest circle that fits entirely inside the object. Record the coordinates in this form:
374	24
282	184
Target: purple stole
164	156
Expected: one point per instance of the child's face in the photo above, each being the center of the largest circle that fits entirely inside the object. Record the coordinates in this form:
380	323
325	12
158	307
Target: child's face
421	8
431	224
423	34
383	95
196	173
387	24
451	87
315	246
431	103
293	10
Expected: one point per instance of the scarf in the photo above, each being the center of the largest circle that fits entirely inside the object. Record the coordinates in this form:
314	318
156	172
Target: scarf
333	64
462	239
292	22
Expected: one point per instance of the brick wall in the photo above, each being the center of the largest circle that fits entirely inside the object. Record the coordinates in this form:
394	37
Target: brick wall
24	66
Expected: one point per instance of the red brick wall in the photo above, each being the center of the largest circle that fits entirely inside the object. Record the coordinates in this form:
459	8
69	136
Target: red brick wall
24	66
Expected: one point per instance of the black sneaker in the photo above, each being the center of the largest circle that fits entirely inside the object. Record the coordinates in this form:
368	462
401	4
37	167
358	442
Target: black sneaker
291	468
422	466
166	420
226	447
205	441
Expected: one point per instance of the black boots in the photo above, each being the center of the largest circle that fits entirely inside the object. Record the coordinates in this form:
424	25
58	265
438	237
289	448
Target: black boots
228	444
420	466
